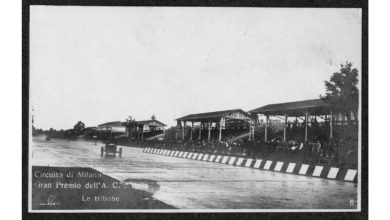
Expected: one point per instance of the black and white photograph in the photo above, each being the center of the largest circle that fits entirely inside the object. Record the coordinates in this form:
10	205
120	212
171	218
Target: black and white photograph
150	109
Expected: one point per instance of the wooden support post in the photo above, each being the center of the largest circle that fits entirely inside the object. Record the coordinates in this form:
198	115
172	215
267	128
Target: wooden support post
142	132
250	132
182	129
200	131
253	122
220	130
253	132
209	135
331	126
285	128
306	119
177	129
192	128
266	128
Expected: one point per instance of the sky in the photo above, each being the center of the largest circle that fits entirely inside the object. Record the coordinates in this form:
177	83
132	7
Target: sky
101	64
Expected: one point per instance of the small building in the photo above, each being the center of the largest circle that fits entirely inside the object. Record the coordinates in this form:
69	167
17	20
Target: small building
143	129
150	125
150	129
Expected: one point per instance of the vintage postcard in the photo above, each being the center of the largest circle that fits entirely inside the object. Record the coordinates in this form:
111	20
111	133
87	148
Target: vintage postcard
195	109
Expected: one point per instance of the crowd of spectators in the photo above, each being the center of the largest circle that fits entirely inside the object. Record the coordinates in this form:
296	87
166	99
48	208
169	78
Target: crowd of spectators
311	152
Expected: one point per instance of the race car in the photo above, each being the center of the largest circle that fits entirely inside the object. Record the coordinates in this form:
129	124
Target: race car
111	150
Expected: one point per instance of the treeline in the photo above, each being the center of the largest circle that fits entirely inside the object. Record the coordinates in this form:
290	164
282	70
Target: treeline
53	133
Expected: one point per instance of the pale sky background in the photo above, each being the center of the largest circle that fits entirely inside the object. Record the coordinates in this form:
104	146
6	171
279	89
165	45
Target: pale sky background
101	64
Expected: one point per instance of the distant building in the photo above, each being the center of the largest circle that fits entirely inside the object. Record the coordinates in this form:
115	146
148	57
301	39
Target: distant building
150	125
143	129
150	129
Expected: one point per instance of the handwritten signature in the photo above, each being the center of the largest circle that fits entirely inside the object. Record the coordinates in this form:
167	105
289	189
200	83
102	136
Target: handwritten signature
50	201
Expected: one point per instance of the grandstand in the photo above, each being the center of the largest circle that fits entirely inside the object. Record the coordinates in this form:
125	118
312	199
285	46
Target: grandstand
216	125
308	119
297	116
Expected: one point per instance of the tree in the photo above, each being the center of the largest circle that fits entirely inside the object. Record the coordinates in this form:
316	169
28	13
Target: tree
78	127
131	125
342	93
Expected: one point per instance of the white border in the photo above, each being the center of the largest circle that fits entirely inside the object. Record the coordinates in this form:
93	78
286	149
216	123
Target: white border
358	209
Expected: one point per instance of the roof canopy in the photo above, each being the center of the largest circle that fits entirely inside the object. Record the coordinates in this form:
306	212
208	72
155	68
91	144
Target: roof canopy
212	116
122	124
91	128
151	123
312	106
111	124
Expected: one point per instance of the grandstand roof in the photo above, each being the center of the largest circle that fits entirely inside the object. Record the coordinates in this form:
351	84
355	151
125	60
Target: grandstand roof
312	106
210	116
